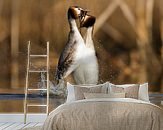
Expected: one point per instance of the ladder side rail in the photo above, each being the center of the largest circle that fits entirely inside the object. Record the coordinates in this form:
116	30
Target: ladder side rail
26	87
47	109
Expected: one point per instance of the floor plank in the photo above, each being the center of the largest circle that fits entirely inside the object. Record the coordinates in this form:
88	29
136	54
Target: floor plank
18	126
1	124
5	126
32	124
19	117
39	124
22	125
12	127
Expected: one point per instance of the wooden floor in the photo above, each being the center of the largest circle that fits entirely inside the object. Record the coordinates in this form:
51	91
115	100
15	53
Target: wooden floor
14	121
18	126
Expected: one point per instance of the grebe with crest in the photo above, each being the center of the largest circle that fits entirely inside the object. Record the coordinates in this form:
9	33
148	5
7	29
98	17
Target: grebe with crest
72	53
88	70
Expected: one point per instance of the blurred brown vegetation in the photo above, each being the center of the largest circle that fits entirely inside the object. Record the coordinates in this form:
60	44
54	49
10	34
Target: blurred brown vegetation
127	38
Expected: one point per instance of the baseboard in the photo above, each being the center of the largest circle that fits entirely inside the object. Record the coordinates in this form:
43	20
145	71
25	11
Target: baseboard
19	117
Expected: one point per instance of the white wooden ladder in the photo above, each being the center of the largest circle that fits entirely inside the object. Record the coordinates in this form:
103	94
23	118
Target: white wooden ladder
27	87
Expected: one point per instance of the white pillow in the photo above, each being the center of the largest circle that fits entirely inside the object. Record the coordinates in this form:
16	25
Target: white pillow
143	90
71	92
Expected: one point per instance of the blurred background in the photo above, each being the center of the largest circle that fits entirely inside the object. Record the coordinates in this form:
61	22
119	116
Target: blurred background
128	38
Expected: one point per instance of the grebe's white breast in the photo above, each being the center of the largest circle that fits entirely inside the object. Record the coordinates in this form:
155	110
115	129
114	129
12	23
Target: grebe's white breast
87	72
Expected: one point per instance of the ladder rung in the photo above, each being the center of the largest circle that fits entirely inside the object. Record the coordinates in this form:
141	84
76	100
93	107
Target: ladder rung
36	105
30	89
37	71
38	55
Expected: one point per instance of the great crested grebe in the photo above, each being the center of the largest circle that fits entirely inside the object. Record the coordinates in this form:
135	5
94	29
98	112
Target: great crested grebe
88	70
71	55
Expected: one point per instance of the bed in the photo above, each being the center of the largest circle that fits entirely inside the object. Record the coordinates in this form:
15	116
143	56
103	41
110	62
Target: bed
105	114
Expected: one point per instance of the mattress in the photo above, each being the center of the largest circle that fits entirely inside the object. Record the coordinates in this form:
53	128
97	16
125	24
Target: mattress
105	114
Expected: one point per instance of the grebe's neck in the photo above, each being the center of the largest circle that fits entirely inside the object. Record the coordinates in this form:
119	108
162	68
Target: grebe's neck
74	31
88	39
71	20
72	24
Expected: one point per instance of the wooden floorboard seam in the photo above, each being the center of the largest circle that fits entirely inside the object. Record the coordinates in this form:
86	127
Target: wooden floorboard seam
12	127
6	125
1	124
21	126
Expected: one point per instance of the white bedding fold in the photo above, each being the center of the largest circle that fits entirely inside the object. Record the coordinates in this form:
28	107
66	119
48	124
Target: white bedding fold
127	100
